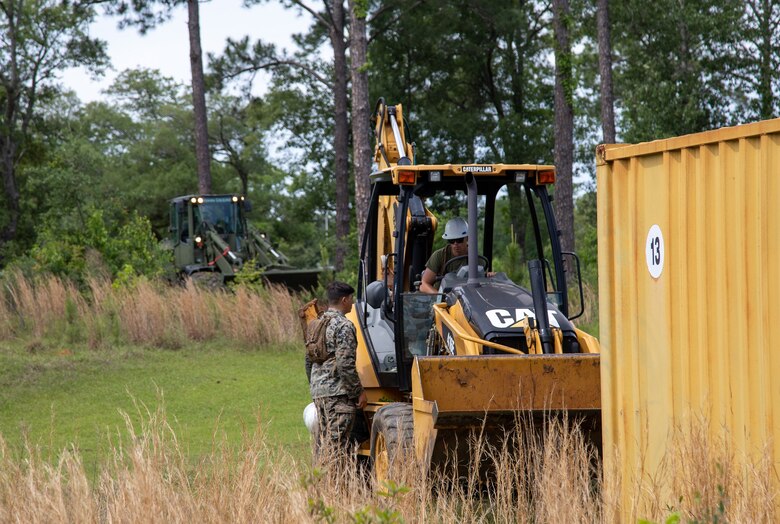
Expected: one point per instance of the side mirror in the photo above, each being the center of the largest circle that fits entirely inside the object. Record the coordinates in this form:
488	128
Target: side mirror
247	206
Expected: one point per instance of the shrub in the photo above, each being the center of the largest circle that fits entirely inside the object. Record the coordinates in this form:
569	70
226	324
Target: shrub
99	248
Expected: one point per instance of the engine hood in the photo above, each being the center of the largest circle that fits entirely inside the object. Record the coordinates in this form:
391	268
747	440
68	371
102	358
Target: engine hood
494	308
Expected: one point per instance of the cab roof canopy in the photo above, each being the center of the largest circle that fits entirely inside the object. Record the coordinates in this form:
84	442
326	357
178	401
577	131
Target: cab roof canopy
186	198
429	179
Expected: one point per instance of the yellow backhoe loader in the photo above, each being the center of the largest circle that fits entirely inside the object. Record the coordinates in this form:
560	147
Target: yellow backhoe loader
439	366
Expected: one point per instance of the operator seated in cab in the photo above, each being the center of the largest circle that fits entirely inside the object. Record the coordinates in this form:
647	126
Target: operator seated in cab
443	260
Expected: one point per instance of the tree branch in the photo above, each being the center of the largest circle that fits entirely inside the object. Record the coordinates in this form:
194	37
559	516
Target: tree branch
392	20
277	63
313	13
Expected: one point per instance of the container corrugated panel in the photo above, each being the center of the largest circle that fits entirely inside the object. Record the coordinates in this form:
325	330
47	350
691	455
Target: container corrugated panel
689	293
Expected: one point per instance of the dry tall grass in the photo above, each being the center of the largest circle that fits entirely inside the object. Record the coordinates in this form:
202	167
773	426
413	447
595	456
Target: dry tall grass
40	307
702	479
149	478
146	313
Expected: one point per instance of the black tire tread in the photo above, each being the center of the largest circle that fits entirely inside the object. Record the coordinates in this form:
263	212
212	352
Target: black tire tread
395	421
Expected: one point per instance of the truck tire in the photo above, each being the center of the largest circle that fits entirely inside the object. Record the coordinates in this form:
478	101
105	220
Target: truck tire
392	436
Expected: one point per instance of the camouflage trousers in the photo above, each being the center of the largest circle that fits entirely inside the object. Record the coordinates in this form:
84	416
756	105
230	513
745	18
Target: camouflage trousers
336	416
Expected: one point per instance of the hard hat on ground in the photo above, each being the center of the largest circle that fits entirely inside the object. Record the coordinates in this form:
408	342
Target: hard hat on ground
455	228
310	417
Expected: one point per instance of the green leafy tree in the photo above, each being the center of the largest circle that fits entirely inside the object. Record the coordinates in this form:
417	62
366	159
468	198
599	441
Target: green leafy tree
134	151
40	39
672	77
147	14
99	248
756	73
240	128
329	23
297	106
475	81
153	145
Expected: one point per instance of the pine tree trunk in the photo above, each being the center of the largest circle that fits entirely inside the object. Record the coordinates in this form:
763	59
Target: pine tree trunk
766	70
10	188
341	133
605	72
361	145
202	154
564	125
10	98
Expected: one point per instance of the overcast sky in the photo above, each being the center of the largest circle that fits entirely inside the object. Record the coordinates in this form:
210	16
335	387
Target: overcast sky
167	47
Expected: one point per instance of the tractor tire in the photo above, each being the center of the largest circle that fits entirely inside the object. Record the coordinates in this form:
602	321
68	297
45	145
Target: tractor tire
392	438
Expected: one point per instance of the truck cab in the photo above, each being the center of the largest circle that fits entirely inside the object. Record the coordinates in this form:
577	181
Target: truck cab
212	240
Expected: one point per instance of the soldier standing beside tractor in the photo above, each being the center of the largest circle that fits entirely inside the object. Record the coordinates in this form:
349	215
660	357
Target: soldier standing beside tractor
334	383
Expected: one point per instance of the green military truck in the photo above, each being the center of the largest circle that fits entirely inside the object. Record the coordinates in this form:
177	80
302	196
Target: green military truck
212	240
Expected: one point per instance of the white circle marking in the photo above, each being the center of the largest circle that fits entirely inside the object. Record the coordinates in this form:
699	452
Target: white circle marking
654	251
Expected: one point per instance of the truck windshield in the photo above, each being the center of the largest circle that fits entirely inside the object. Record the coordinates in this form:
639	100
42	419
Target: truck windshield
219	212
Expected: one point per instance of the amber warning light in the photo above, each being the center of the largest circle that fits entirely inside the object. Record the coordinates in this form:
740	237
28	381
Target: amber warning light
545	177
407	177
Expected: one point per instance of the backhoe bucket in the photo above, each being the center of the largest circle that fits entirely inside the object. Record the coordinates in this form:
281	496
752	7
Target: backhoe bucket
454	396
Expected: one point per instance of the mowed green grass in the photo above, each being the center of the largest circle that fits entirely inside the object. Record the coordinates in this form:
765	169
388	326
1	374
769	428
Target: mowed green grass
56	396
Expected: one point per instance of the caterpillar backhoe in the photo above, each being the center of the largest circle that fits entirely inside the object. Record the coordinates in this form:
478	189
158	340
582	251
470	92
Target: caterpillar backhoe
439	366
212	240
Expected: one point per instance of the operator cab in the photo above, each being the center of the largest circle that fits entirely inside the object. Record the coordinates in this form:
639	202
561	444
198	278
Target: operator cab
395	317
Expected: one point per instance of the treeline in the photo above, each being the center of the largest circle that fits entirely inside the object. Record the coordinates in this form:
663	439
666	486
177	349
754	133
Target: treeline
85	186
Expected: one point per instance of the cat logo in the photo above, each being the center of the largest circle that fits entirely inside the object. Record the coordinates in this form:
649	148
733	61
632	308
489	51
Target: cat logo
502	318
477	169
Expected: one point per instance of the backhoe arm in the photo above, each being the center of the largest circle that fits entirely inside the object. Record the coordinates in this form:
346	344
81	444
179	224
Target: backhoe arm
391	145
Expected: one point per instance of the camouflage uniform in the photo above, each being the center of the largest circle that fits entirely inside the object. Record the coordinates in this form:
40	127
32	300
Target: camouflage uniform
334	384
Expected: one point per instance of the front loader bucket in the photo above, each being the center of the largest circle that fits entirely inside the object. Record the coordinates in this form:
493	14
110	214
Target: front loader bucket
294	279
455	395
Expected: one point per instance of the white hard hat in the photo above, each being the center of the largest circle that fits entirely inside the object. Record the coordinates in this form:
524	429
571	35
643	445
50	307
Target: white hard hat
455	228
310	417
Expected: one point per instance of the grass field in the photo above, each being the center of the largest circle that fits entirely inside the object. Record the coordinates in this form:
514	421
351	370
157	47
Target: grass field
196	374
55	395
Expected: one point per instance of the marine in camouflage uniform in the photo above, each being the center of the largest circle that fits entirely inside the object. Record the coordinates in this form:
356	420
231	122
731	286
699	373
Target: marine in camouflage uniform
334	384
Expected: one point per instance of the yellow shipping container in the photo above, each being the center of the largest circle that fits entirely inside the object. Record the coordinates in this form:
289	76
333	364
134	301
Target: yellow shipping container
689	294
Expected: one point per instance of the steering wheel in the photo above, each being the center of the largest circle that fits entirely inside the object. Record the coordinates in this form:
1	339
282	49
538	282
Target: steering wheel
450	261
